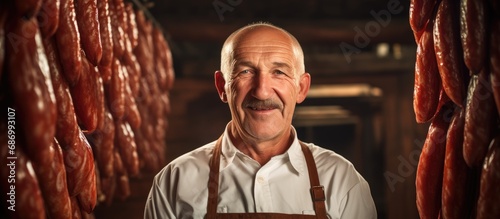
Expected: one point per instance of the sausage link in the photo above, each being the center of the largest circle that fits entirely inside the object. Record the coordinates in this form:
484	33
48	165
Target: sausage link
456	195
132	32
480	120
48	17
125	142
86	97
448	52
116	9
75	209
487	205
87	199
115	91
420	13
52	181
431	163
79	164
427	81
66	125
103	142
494	61
106	34
473	33
160	59
88	25
29	80
68	42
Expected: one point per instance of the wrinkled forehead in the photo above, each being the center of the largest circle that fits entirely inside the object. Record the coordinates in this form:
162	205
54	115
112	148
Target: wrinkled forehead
259	37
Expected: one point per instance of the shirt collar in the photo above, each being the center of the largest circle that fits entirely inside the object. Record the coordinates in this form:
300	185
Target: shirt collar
294	153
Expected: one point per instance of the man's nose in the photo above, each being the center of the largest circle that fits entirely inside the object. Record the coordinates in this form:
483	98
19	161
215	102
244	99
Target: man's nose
262	89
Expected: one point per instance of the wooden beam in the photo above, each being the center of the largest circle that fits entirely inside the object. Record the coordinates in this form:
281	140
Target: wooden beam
325	31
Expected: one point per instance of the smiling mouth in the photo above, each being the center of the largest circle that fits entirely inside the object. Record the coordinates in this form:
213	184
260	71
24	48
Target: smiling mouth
261	108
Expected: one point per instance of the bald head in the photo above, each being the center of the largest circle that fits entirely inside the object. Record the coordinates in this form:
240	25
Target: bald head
259	33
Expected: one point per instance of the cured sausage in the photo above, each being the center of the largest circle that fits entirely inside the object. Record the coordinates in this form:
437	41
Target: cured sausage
132	31
116	9
68	42
115	91
29	79
420	13
67	126
106	34
103	142
52	181
86	97
487	205
473	33
79	164
87	199
480	118
448	52
431	163
48	17
456	195
494	61
427	80
88	25
125	142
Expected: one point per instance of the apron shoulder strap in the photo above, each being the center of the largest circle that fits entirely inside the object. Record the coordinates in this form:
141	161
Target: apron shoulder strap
317	190
213	181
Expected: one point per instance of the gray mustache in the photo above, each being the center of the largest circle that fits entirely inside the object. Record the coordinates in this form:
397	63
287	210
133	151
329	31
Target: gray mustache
263	104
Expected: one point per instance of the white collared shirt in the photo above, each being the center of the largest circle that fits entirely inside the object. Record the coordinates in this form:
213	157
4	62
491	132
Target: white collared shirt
281	185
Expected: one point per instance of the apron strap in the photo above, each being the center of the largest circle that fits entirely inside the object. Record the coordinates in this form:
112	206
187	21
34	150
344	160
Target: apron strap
213	181
317	190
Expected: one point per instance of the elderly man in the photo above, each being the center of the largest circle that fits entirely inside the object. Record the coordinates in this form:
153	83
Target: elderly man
258	168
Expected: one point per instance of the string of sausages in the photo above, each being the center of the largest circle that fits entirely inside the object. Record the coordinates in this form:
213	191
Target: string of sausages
457	90
89	81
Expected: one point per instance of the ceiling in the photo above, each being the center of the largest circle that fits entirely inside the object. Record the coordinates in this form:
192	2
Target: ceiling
334	34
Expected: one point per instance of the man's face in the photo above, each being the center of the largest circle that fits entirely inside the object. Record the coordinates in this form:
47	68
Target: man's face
264	84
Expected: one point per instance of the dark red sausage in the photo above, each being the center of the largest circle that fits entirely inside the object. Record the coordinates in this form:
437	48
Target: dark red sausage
487	205
52	181
480	117
427	80
106	39
420	13
68	42
86	96
30	83
494	61
473	29
457	196
48	17
448	52
88	25
67	127
125	142
430	166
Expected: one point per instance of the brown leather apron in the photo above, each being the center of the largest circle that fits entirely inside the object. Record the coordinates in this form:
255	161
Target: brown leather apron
317	191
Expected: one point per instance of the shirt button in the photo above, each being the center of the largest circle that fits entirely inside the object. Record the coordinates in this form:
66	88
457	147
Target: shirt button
261	180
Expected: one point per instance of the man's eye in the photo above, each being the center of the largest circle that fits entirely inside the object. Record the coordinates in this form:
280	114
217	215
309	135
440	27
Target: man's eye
279	72
245	71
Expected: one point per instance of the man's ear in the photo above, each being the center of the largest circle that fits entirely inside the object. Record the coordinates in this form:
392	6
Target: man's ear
304	84
220	83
